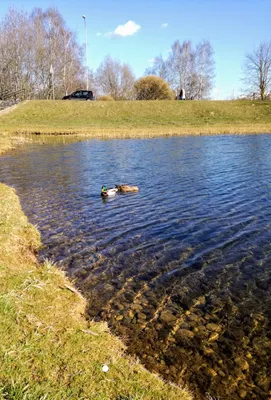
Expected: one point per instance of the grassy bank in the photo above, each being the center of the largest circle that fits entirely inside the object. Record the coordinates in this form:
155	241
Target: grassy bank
48	349
138	118
8	142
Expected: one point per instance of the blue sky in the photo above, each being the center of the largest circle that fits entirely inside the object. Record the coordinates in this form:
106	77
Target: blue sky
233	27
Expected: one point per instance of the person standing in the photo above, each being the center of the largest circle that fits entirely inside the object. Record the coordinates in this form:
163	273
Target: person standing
182	95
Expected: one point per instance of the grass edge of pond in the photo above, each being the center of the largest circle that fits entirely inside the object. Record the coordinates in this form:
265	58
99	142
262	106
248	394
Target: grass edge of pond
48	346
136	119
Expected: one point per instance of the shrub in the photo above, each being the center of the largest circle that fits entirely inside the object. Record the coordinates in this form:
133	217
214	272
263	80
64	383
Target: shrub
152	88
106	98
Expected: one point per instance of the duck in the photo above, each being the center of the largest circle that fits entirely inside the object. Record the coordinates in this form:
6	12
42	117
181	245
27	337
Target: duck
127	188
108	192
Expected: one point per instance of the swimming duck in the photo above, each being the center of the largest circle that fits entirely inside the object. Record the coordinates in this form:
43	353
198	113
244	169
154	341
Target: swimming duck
127	188
108	192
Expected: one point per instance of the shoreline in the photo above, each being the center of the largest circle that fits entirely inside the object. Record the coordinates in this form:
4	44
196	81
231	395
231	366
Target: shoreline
134	133
11	141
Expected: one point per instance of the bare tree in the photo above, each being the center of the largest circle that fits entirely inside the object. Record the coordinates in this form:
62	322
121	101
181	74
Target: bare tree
257	70
203	71
38	52
159	68
57	51
181	62
15	42
186	68
115	79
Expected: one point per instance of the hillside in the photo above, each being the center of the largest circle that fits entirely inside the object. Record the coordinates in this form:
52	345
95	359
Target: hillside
138	118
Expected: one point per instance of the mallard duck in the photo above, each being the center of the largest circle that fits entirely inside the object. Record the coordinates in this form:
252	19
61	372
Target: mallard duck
108	192
127	188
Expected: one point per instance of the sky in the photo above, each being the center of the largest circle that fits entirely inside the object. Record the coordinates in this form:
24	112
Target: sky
136	31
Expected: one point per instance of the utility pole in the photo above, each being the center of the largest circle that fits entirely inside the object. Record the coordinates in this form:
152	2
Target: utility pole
85	23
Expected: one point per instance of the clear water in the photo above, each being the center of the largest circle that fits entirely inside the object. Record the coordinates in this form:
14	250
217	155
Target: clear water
181	269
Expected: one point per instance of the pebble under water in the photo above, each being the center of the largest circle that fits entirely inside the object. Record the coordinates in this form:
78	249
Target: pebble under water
182	269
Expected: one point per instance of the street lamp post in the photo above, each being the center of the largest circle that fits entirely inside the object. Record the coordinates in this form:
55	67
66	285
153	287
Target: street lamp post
84	18
52	75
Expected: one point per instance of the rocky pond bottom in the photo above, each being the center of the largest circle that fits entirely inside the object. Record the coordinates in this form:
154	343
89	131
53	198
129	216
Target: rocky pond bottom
182	269
201	324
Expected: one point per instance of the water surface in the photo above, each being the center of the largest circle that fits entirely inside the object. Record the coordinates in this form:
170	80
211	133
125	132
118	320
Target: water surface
182	269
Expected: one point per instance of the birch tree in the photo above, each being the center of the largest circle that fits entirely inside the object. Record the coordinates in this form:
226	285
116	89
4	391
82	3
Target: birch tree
203	71
187	68
257	70
15	42
115	79
56	50
37	50
181	61
159	68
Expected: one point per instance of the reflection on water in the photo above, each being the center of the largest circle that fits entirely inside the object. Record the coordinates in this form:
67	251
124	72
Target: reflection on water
181	269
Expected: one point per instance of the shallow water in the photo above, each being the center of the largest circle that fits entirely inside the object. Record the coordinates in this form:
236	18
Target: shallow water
181	269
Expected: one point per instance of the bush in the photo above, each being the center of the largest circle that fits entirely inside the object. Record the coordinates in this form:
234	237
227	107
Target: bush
152	88
106	98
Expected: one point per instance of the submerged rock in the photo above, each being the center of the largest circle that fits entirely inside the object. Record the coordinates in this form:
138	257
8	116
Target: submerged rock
213	327
167	316
242	364
213	337
184	334
242	393
212	372
141	315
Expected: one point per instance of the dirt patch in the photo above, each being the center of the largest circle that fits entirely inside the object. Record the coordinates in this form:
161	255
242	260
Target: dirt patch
9	108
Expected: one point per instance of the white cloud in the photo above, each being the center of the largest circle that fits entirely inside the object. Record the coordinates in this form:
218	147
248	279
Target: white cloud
98	34
128	29
164	25
151	60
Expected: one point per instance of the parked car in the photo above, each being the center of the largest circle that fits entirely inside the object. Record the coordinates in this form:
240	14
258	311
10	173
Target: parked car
80	95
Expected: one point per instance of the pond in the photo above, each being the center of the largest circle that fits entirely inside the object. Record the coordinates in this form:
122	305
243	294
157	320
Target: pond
181	270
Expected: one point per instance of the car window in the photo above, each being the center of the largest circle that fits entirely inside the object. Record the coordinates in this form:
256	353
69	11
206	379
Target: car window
86	93
77	94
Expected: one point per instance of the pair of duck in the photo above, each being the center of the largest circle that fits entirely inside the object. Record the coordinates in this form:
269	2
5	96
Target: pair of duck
118	188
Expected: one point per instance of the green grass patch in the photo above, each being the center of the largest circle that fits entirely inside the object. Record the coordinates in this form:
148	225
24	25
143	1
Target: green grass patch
48	350
138	118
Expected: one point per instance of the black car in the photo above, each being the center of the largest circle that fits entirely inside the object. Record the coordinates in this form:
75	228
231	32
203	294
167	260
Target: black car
80	95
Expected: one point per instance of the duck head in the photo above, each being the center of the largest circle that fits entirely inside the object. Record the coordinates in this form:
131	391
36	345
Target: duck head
104	191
